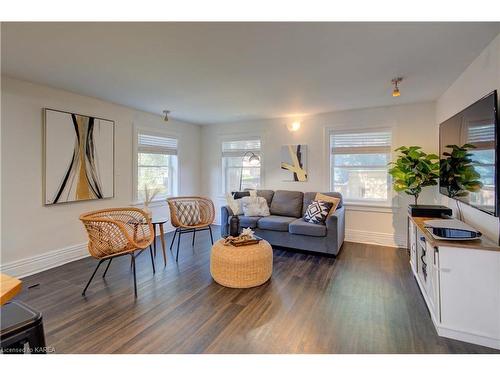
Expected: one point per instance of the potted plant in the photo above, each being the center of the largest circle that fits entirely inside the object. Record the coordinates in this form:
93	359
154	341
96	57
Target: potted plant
413	170
457	173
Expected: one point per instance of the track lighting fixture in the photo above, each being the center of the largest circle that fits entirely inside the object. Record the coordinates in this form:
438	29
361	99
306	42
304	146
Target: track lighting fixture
396	82
165	117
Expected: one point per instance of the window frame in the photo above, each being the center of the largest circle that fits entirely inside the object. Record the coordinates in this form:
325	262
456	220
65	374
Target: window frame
174	169
353	203
223	167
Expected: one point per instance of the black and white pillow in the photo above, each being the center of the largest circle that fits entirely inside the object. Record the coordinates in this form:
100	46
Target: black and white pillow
317	212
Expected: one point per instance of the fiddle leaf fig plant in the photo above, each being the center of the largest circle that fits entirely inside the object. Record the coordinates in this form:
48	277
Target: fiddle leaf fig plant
457	173
413	170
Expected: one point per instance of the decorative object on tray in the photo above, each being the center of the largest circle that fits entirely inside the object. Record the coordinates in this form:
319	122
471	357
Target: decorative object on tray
78	157
149	195
246	237
294	161
317	212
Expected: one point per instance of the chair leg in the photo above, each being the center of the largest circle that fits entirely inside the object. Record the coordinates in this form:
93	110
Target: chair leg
211	236
91	277
194	234
173	239
178	245
106	270
152	258
154	240
135	279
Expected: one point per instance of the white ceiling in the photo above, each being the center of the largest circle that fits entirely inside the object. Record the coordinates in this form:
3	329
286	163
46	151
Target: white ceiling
221	72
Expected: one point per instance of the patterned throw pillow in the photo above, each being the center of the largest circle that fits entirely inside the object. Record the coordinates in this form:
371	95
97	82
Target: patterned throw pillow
188	213
317	212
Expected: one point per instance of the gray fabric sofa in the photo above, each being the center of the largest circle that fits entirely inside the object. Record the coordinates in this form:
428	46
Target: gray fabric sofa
286	226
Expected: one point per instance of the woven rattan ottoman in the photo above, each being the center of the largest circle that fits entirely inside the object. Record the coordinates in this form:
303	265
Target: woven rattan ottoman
243	266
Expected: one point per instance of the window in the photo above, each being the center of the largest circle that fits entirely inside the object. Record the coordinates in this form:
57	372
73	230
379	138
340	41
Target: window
358	164
237	168
156	165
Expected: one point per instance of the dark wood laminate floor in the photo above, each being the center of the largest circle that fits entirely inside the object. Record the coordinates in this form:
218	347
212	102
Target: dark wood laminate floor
365	301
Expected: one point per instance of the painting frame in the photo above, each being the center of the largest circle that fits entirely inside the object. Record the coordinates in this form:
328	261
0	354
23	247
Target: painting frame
45	166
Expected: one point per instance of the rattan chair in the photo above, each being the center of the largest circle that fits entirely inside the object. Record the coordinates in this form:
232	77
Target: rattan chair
116	232
184	223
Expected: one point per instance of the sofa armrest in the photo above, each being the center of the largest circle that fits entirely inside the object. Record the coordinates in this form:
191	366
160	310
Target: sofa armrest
225	213
335	226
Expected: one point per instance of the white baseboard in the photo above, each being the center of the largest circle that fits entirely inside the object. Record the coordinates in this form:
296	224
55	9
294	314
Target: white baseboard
375	238
38	263
29	266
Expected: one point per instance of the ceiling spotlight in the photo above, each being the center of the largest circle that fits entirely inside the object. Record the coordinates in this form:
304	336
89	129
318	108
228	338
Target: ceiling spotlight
165	117
396	82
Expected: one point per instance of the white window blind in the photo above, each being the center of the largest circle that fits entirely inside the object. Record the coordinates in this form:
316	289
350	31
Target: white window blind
153	144
369	142
240	147
358	164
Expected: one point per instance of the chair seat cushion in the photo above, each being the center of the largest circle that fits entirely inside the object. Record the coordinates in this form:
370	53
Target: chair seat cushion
300	226
246	221
277	223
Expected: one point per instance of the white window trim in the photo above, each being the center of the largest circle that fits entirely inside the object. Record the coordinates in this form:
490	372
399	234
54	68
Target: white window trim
175	183
238	137
392	202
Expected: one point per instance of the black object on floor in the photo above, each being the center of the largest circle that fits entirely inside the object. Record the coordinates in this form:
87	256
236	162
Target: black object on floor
20	324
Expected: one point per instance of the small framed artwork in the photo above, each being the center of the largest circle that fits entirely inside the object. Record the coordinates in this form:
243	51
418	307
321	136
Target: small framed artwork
78	157
294	162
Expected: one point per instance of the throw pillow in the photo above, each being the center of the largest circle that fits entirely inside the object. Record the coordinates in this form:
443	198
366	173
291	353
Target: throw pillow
234	204
326	198
188	213
255	206
317	212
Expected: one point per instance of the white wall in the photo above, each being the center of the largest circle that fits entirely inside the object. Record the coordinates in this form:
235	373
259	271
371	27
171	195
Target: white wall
34	235
479	79
412	125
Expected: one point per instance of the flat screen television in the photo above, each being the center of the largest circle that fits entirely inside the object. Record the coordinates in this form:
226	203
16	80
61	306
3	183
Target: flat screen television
475	132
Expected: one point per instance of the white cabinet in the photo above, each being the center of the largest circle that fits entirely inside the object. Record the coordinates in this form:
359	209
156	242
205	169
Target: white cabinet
412	243
460	285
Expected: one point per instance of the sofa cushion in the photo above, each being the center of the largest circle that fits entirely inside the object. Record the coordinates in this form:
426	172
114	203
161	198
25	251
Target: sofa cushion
246	221
300	226
267	195
287	203
310	196
277	223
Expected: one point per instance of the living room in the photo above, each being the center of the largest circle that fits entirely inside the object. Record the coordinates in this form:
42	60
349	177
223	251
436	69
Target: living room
241	188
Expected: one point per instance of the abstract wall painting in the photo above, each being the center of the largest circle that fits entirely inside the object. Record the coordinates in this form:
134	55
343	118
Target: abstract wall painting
294	162
78	157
